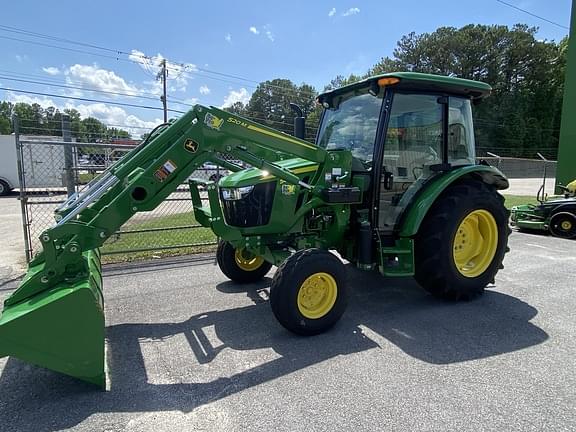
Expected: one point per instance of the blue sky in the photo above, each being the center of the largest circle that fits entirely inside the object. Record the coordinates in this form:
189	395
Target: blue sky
305	41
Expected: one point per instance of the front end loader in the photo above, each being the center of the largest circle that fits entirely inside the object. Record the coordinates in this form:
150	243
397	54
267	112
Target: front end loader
391	184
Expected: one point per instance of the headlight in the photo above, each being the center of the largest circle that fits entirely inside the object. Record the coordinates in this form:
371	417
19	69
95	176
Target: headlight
230	194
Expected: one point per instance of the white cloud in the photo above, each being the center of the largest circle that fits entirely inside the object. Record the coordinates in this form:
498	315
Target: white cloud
114	115
204	89
100	79
351	11
268	33
234	96
51	70
43	101
332	12
110	115
228	38
189	101
266	29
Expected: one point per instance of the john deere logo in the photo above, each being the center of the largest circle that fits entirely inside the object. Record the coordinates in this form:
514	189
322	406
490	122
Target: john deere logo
213	122
191	145
288	189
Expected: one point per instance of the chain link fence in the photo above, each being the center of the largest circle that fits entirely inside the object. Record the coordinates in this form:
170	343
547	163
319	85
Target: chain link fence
51	169
522	168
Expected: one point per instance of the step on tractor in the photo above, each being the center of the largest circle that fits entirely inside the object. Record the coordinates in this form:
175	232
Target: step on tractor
555	215
391	184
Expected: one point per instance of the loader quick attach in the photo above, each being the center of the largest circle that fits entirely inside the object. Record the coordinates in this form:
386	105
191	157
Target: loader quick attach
391	184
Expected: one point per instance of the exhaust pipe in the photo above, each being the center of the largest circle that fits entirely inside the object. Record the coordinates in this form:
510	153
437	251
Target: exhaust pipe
299	121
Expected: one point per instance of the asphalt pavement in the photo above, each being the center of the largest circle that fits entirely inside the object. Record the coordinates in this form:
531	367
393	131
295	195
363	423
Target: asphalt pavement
188	350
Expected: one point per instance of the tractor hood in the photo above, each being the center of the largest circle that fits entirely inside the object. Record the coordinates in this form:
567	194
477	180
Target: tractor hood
251	176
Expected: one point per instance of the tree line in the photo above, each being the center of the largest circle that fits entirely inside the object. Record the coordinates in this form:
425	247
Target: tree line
520	118
36	120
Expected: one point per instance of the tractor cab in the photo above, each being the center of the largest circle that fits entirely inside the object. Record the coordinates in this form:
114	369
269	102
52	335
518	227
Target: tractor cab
403	129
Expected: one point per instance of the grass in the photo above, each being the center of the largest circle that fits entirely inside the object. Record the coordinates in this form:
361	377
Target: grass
84	178
513	200
167	238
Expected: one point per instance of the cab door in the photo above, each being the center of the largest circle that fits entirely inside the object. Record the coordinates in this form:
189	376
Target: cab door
425	135
412	149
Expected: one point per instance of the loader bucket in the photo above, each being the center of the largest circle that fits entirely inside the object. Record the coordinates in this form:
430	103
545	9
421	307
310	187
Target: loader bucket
61	328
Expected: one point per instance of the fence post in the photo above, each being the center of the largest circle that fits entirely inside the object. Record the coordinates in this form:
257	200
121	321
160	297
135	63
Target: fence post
68	156
22	185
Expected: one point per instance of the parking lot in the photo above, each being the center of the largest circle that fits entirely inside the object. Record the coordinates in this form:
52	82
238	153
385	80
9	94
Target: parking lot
188	350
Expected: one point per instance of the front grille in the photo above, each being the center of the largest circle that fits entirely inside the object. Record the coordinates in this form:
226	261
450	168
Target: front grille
253	210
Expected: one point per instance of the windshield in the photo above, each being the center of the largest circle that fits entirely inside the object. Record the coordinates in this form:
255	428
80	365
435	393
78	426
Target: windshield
352	124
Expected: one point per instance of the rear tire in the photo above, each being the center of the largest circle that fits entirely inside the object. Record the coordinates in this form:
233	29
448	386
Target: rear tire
308	294
4	188
563	224
462	241
238	268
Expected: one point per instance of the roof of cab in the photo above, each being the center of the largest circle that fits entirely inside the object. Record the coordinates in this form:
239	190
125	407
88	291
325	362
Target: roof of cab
421	81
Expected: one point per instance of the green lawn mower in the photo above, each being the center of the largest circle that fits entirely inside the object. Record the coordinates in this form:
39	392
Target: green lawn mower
555	214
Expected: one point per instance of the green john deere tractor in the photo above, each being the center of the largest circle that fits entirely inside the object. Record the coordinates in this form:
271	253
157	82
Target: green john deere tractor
391	184
555	214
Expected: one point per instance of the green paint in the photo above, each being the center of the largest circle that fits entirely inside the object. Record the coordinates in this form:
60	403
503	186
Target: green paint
419	208
418	80
566	169
61	328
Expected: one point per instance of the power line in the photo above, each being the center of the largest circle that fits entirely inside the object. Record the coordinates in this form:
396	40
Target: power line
533	14
77	88
181	65
89	100
55	38
85	89
69	49
48	81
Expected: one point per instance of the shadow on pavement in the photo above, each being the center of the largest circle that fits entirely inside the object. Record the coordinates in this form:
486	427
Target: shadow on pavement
399	311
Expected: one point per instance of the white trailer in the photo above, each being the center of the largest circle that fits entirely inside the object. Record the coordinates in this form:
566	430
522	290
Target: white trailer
43	163
8	164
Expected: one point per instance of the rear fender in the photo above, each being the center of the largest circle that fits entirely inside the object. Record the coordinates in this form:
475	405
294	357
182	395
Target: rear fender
427	196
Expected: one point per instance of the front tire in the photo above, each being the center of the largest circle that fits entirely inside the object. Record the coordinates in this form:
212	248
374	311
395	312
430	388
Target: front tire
308	294
238	267
462	241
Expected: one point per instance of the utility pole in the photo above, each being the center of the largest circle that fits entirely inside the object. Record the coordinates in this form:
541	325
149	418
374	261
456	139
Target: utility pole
162	76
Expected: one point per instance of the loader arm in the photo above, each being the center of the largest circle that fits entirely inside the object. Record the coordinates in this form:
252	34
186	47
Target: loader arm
55	318
144	178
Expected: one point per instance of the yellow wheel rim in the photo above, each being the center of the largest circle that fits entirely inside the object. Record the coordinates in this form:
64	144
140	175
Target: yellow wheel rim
475	243
317	295
247	264
566	225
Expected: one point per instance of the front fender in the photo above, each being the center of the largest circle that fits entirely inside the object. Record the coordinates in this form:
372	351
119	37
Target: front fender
427	196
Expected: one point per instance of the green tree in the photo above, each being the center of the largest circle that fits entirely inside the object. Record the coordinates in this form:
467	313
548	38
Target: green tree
237	108
270	103
5	127
523	114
